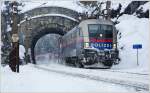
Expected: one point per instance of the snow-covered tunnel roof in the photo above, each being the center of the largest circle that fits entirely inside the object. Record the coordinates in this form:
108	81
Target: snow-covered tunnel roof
70	4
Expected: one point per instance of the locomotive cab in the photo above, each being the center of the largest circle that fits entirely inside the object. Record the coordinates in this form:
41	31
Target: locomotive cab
101	42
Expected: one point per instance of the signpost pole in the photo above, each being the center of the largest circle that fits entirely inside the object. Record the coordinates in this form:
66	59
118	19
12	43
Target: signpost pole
137	46
137	58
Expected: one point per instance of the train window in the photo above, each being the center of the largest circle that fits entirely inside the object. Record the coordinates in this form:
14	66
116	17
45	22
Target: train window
70	36
74	34
107	30
80	31
93	28
106	27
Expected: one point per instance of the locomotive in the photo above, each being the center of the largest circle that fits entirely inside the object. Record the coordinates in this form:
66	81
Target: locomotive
92	43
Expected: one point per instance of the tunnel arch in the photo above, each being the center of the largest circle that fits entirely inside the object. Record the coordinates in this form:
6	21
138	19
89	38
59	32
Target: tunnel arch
40	21
40	34
60	25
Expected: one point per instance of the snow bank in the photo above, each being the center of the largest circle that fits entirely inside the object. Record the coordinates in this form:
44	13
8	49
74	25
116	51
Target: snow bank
21	51
133	31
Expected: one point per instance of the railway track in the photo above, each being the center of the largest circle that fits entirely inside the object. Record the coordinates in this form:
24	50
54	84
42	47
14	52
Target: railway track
102	68
126	83
128	72
113	70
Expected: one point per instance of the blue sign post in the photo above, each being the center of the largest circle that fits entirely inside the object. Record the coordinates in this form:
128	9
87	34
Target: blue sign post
137	46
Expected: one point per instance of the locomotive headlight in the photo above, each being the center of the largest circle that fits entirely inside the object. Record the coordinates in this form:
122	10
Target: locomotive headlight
114	46
100	35
86	45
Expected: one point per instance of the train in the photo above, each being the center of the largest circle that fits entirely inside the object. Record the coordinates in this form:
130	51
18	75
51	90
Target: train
92	43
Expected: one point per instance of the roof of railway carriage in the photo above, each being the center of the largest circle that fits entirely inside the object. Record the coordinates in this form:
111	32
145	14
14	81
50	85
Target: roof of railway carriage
97	21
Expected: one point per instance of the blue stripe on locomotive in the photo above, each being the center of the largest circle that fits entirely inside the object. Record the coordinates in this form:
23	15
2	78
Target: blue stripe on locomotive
101	45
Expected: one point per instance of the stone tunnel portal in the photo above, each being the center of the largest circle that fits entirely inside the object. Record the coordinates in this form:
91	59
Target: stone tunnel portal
45	20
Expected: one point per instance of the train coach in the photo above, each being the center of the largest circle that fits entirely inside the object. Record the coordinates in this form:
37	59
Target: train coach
92	43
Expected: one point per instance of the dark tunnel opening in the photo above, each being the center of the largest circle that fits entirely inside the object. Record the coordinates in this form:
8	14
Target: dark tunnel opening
41	34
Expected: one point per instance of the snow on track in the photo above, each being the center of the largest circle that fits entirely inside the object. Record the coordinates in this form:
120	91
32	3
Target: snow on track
138	82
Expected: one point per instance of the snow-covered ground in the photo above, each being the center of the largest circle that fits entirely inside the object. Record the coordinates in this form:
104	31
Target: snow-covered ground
115	74
31	79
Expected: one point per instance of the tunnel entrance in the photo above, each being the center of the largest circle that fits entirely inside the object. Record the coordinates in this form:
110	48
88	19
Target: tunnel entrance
40	34
47	49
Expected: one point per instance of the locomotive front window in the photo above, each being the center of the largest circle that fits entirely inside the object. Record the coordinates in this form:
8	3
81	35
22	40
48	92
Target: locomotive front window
93	28
107	30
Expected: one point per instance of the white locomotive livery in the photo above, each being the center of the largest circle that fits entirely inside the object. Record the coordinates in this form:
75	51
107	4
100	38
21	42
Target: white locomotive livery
93	41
